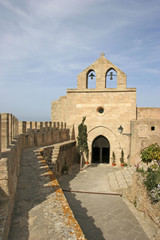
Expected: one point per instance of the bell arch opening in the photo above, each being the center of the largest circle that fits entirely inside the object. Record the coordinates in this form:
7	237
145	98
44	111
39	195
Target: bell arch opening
111	78
100	150
91	79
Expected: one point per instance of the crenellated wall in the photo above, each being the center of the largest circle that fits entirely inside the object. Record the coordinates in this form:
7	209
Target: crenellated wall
14	137
10	127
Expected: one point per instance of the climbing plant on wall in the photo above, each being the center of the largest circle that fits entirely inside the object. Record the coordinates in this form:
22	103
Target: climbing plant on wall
82	144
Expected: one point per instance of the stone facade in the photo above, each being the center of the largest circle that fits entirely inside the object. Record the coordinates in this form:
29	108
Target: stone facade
106	109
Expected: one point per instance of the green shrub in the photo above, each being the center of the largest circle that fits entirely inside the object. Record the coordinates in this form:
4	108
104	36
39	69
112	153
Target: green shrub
151	153
151	181
155	193
122	156
113	158
141	170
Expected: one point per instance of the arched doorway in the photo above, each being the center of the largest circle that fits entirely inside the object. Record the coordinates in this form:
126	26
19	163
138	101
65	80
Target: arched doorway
100	150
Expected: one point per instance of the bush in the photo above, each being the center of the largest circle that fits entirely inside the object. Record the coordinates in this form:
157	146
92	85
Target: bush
155	193
151	153
141	170
151	181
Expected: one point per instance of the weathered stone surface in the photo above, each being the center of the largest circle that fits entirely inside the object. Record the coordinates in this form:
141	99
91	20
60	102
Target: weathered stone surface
148	214
138	195
100	216
41	210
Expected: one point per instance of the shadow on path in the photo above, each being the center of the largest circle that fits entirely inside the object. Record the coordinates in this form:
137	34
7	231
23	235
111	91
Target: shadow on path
86	222
100	216
31	192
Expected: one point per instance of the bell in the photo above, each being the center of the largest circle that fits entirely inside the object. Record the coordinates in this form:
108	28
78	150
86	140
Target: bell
111	75
91	76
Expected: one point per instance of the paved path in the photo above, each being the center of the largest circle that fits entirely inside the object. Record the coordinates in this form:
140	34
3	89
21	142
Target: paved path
41	211
100	216
121	179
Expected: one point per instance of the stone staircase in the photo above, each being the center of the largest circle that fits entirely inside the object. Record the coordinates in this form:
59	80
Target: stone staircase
53	159
121	179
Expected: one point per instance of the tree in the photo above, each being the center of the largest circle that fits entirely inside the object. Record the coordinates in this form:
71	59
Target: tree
82	144
113	158
122	157
150	153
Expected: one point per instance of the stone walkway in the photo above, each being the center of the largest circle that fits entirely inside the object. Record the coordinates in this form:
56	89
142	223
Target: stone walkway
121	179
41	211
100	216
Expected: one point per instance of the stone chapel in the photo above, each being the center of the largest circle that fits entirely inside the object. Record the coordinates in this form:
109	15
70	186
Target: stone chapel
113	120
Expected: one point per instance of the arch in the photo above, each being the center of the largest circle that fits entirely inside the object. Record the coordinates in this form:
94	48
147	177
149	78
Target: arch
100	150
97	127
107	133
91	81
111	78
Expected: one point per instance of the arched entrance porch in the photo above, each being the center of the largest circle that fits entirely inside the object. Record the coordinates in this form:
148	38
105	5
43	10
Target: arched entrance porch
100	150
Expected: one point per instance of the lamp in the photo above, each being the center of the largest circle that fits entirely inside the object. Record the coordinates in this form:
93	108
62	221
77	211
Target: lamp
91	76
120	129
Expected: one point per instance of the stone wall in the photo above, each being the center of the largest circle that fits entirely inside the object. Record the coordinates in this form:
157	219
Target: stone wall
144	112
144	132
12	144
138	195
66	155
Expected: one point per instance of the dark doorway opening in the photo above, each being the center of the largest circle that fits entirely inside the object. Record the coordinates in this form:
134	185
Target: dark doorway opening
95	154
100	150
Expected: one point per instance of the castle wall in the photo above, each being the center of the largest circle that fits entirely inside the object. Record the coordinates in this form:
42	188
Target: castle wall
144	132
58	109
12	144
144	112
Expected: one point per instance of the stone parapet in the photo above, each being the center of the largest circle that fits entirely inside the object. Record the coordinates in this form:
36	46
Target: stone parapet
59	155
70	228
33	134
10	127
8	130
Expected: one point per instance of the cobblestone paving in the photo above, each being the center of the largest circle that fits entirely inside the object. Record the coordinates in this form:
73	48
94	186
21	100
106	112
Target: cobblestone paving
101	216
41	211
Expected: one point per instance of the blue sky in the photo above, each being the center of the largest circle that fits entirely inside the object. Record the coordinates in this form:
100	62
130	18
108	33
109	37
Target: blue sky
45	44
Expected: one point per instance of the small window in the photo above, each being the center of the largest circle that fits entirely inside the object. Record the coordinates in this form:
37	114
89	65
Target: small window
100	110
152	128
